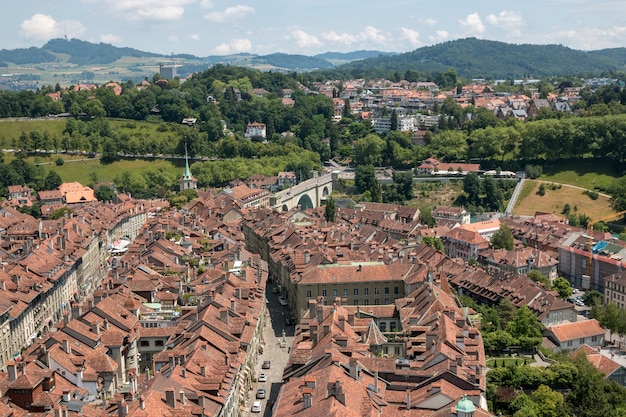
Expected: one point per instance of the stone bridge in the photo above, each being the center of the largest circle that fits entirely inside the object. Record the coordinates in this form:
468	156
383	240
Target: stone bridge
308	194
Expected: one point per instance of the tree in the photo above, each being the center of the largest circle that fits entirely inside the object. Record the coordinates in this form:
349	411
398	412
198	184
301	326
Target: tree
526	328
330	210
610	318
59	213
105	193
593	297
494	198
52	181
364	177
549	403
538	277
368	150
404	183
503	238
562	286
426	217
471	186
435	242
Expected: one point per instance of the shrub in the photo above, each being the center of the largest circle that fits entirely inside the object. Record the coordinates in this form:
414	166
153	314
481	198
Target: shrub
542	190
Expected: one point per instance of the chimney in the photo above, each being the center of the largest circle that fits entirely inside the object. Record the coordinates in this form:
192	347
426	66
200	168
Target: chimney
307	257
408	399
376	381
313	333
105	324
12	371
170	400
95	327
339	394
354	369
66	346
307	397
224	315
351	319
183	372
183	398
142	403
77	310
319	311
66	395
122	408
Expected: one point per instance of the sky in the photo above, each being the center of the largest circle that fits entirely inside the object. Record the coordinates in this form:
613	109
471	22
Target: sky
309	27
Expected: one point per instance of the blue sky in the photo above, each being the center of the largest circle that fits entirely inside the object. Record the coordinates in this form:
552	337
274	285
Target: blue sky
219	27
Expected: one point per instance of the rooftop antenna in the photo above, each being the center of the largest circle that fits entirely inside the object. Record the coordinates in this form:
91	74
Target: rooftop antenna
65	31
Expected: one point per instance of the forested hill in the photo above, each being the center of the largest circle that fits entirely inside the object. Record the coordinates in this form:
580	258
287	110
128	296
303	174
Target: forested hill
79	53
475	58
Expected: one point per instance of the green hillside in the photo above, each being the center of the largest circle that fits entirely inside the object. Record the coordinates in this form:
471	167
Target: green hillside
476	58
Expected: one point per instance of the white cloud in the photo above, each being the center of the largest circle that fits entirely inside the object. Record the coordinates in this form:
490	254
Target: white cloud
148	10
412	36
43	27
110	38
511	22
173	38
591	39
343	38
428	22
439	36
194	36
371	34
207	4
472	25
303	39
231	13
234	46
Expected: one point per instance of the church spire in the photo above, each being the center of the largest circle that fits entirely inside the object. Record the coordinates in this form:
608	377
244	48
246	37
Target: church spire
187	181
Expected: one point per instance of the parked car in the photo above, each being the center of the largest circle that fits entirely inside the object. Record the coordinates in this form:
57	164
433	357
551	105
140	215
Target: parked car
262	377
256	407
275	290
260	394
283	301
266	365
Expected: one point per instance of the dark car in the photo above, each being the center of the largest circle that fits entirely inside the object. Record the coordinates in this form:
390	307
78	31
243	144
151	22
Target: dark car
266	365
260	393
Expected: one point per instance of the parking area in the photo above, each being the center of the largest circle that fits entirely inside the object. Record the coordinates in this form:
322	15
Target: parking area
277	337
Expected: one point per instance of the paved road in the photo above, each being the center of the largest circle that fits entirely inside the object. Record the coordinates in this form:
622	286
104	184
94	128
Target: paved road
273	352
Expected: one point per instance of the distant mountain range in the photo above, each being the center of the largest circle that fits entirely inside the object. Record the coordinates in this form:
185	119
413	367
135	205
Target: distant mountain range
78	52
471	58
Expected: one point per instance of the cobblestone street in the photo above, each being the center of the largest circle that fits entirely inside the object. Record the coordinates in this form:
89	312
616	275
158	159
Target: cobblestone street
273	339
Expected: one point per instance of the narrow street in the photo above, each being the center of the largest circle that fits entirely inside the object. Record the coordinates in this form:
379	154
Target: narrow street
276	350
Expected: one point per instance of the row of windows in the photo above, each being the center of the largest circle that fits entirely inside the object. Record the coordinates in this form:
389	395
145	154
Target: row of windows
355	291
146	343
365	302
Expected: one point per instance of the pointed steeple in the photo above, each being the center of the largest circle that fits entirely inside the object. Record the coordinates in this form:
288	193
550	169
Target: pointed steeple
187	181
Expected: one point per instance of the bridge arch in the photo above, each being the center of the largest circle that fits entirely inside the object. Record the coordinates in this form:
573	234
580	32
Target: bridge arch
325	192
285	207
305	202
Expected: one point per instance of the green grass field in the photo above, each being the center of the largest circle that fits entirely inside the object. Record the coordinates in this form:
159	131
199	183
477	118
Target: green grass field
83	170
587	173
11	129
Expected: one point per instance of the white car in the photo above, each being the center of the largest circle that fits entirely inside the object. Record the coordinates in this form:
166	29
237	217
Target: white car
263	377
256	407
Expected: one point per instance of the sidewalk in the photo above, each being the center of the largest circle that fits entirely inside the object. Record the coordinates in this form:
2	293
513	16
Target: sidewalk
273	352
